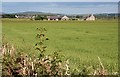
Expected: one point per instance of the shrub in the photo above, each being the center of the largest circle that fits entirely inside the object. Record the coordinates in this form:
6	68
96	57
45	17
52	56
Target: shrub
40	17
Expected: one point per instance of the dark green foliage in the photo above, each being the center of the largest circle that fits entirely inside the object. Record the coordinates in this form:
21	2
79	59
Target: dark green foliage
40	44
8	16
39	17
77	16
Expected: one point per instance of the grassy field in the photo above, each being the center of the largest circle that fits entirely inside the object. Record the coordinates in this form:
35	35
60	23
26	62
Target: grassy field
80	41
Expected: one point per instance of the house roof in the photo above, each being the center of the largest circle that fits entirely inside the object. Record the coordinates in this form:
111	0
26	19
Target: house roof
65	17
54	17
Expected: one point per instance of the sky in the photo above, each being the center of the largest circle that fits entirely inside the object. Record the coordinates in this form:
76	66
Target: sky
59	0
61	7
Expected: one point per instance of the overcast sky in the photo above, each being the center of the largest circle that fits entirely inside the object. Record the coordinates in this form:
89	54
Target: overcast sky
61	7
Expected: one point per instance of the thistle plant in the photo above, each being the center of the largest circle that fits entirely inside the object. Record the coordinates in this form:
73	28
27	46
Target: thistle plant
40	44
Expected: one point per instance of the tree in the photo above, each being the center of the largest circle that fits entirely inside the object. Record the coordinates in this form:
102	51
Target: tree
77	16
8	16
39	17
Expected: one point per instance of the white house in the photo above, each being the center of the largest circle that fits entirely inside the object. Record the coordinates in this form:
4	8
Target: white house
65	18
90	17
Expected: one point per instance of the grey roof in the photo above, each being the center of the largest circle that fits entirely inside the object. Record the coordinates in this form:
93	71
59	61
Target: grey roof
54	17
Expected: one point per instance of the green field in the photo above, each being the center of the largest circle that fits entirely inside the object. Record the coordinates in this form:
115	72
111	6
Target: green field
80	41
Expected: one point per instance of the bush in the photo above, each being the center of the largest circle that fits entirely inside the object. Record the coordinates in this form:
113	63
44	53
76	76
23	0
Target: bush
40	17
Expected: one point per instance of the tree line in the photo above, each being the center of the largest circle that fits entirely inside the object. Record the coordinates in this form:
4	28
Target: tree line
41	17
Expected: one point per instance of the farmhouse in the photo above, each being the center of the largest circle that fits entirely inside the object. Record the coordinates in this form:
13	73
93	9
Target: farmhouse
54	18
90	17
65	18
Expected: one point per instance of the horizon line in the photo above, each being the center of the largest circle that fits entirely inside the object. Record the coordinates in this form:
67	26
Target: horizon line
57	13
